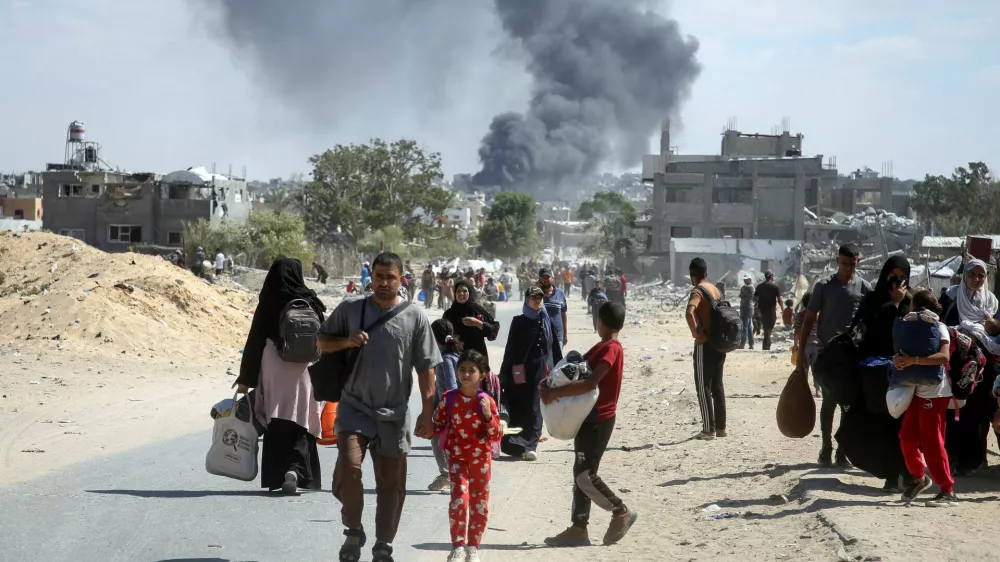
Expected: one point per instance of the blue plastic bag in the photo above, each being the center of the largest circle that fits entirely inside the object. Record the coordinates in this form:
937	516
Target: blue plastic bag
421	296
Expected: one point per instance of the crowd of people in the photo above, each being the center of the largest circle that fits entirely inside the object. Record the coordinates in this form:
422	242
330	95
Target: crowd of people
912	373
470	413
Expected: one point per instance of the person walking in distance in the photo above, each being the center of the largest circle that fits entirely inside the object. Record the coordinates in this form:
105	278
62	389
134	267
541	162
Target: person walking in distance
831	309
373	416
767	298
746	311
555	305
708	361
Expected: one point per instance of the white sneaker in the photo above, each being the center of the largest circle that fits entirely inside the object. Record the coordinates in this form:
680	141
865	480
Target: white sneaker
529	456
440	484
457	555
471	554
291	484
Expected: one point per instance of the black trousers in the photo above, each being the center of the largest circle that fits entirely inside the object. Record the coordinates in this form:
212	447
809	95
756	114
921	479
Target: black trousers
589	446
708	366
768	319
826	412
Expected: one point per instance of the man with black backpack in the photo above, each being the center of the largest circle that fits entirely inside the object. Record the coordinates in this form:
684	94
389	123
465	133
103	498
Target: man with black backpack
712	325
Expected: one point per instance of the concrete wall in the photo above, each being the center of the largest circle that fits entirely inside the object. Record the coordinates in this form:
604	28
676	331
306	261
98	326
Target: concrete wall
31	209
133	200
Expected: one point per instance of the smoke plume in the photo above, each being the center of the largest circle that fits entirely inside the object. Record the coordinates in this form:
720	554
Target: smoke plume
605	74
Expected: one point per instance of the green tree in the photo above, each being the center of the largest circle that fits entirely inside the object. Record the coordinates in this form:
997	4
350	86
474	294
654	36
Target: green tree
510	227
963	203
367	187
282	200
230	238
611	219
390	238
274	236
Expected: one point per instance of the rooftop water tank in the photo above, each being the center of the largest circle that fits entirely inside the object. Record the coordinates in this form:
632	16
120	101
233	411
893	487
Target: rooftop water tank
77	133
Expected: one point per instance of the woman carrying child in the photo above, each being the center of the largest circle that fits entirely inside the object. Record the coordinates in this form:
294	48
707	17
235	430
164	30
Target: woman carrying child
445	380
923	429
467	423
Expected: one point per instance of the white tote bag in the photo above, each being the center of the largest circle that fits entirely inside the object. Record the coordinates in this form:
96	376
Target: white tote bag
898	399
564	416
234	448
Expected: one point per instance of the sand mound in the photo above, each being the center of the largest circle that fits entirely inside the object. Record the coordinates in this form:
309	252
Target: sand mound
58	288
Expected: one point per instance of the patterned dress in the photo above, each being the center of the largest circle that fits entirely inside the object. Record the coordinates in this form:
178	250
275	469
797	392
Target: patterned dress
468	442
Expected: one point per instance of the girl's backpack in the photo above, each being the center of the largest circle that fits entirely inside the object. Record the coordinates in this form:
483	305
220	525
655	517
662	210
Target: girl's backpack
916	336
965	367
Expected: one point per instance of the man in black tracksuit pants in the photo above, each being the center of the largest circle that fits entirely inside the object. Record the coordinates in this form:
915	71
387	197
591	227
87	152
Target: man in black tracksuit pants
708	361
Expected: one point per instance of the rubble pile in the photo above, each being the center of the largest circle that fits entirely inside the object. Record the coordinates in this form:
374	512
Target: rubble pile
58	288
868	219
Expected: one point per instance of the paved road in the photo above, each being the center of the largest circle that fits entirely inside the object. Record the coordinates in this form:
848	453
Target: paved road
157	503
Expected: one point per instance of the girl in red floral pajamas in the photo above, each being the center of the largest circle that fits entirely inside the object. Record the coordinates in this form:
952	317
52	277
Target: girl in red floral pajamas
468	422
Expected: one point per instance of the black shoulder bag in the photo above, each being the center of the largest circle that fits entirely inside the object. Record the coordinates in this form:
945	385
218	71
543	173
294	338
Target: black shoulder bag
333	371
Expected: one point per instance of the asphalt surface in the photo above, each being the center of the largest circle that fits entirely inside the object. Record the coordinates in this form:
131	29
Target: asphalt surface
157	503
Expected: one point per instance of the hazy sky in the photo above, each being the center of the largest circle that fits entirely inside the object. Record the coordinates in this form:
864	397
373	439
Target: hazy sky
913	82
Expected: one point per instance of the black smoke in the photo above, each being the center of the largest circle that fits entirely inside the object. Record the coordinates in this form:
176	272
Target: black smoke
605	75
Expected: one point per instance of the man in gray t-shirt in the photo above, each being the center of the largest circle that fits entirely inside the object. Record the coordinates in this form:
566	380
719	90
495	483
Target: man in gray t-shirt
746	311
833	303
373	414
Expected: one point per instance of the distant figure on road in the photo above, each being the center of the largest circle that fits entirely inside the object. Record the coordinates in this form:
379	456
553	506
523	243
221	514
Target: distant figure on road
198	267
284	399
220	263
373	416
320	272
767	299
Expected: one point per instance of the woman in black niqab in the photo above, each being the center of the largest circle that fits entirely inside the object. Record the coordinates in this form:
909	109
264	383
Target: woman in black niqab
283	400
473	324
868	434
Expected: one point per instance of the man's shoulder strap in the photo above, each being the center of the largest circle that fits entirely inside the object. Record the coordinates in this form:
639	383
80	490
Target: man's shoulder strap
706	294
384	318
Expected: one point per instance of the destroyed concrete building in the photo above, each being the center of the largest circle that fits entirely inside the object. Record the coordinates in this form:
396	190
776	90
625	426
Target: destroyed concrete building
755	188
114	210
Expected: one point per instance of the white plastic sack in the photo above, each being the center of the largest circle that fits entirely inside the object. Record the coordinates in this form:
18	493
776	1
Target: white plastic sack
234	448
898	399
564	416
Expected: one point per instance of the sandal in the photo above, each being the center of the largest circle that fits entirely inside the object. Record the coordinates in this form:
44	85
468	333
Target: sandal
382	552
352	552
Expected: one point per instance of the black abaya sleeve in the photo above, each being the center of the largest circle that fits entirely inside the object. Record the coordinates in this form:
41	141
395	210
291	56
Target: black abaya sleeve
253	352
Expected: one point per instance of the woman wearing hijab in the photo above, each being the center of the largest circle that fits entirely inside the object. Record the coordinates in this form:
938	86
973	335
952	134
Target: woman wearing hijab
473	324
526	361
284	401
868	434
968	305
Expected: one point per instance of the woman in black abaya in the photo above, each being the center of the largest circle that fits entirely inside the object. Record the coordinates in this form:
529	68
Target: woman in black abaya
473	324
868	434
284	401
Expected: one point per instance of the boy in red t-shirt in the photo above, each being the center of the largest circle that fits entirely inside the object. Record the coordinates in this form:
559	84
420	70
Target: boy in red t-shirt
607	361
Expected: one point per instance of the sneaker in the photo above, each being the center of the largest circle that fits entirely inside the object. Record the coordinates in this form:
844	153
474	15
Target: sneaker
472	554
721	433
457	555
440	484
915	489
842	461
943	500
529	456
825	457
705	436
620	524
291	483
573	536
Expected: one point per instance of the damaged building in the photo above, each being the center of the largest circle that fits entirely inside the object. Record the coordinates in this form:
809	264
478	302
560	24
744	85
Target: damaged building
115	210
